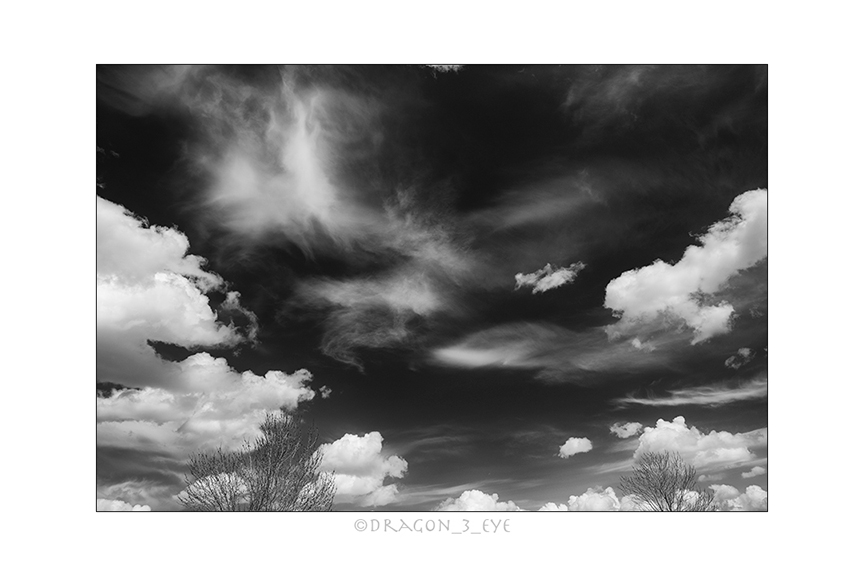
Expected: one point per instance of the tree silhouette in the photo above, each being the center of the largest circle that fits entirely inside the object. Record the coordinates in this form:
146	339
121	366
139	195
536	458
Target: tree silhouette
663	482
279	471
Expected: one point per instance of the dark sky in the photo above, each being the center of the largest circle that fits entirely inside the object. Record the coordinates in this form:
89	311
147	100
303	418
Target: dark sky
489	287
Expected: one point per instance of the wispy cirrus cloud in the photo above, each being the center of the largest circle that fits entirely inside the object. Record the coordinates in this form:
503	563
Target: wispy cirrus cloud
423	266
279	154
710	395
614	100
557	353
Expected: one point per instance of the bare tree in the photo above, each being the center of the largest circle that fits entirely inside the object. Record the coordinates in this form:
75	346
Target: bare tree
279	471
663	482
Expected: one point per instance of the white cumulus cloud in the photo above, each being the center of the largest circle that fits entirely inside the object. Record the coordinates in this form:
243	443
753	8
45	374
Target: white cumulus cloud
640	296
574	446
754	498
549	277
625	429
594	500
149	289
103	505
743	356
208	405
476	501
708	452
361	469
755	471
552	507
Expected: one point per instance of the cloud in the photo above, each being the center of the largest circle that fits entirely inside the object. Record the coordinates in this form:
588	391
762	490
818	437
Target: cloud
120	234
630	503
743	356
361	469
731	500
476	501
209	405
558	353
149	289
756	471
635	101
549	277
291	156
280	150
153	494
377	312
552	507
625	429
707	452
445	67
712	395
138	89
423	269
268	145
710	477
103	505
681	290
594	500
574	446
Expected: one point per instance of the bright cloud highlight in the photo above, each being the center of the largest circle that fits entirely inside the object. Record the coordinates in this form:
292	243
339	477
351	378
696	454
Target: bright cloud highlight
754	498
625	429
361	469
574	446
476	501
549	277
711	451
737	243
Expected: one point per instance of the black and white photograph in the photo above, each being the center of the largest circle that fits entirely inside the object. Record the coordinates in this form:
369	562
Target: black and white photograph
413	275
432	288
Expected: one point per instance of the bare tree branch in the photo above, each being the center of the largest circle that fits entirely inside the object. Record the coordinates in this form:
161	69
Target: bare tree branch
279	471
663	482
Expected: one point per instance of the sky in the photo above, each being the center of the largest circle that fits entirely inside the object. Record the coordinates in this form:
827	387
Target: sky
489	287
